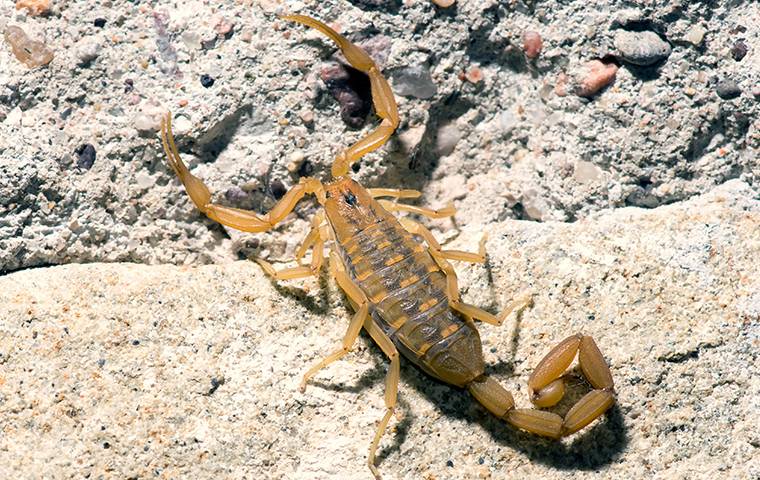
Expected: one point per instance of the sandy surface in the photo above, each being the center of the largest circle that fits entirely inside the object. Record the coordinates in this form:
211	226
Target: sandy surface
133	371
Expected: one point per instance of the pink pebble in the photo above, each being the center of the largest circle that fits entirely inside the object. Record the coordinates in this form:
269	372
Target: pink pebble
532	43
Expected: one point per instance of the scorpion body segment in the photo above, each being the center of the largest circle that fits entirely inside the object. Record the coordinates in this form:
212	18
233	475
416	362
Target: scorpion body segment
404	284
399	280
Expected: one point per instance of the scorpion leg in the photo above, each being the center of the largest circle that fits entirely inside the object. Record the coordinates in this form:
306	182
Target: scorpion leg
382	96
447	211
393	192
244	220
356	295
452	287
391	388
314	239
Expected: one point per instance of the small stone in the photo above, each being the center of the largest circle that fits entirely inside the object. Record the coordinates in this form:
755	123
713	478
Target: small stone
532	44
447	138
597	76
87	50
474	75
223	27
296	159
147	121
728	89
99	22
85	156
207	80
34	7
29	52
236	195
444	3
414	81
351	90
695	35
586	172
278	189
641	48
739	50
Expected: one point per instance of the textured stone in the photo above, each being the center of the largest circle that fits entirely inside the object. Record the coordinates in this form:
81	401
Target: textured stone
641	48
128	370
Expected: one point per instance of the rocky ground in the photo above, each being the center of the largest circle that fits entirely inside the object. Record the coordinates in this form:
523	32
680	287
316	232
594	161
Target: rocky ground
611	150
505	135
134	371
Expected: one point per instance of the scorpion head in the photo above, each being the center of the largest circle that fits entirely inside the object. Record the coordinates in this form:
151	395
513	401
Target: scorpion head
350	208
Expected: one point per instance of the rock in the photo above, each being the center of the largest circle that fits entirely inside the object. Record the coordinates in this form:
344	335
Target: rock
87	50
739	50
532	43
414	81
728	89
447	138
593	77
351	89
641	48
695	35
198	367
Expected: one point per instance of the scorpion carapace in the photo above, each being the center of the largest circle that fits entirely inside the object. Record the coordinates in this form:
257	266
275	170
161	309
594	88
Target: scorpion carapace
404	291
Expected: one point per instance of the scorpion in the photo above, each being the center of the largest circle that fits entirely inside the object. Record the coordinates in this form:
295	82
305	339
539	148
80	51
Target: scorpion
400	282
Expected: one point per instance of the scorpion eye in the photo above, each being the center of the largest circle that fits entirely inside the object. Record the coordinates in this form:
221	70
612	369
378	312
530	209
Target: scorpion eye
350	198
328	194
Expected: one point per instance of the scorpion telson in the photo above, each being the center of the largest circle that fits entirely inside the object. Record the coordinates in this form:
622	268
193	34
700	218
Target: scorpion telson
400	282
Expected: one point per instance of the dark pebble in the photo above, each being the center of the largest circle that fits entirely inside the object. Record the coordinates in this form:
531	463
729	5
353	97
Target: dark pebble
306	169
135	342
278	189
86	156
739	50
356	166
101	362
352	90
129	85
728	89
449	463
235	195
106	445
99	22
207	80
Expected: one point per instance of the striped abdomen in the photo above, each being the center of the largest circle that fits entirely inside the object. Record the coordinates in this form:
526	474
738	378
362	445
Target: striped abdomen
407	294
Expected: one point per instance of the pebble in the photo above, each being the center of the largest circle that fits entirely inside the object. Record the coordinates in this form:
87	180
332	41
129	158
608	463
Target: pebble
85	156
414	81
207	80
447	138
739	50
34	7
532	43
87	50
727	89
695	35
352	92
29	52
641	48
444	3
474	75
236	195
597	76
278	189
146	123
99	22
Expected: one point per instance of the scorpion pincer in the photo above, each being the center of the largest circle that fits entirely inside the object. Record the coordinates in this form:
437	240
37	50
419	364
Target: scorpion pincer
402	287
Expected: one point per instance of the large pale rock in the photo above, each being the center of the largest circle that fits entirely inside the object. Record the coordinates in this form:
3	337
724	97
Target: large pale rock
130	371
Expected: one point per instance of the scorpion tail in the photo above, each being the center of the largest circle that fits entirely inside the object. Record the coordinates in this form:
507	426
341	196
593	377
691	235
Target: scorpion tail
547	387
